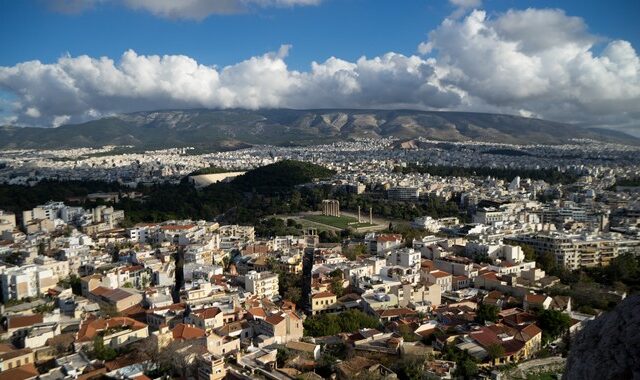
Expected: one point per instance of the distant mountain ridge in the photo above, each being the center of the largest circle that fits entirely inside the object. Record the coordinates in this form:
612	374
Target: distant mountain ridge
235	128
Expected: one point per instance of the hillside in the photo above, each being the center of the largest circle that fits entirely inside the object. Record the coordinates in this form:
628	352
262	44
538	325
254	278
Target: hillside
281	176
232	129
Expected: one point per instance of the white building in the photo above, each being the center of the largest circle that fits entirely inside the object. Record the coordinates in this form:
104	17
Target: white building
263	284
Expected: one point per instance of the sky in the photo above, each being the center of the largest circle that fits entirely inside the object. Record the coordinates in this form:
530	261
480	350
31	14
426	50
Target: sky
67	61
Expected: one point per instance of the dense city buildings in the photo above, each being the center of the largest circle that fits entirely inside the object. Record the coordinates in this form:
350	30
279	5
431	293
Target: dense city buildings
465	270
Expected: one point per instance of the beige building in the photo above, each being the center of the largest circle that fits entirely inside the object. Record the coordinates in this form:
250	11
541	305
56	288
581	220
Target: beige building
263	284
222	345
283	327
442	278
113	301
323	302
12	357
207	319
211	367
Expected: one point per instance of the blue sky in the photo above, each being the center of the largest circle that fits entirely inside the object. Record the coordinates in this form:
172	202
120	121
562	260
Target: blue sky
65	61
347	29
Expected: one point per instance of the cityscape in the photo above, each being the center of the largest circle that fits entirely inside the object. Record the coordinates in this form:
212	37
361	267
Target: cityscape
402	216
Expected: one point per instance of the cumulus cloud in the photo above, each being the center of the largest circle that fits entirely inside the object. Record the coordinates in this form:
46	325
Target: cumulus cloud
80	88
533	62
179	9
539	61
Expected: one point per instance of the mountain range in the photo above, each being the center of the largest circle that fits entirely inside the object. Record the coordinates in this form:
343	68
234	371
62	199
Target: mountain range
236	128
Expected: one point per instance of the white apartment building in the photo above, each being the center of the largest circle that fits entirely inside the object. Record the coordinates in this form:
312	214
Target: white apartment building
575	251
262	284
406	257
26	281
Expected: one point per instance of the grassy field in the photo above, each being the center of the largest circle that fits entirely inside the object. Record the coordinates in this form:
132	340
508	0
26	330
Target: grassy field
342	222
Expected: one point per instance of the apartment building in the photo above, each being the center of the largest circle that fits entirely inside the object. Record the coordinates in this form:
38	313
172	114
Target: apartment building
25	281
576	251
262	284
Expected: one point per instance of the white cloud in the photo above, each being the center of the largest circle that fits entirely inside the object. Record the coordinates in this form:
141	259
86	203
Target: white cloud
540	61
60	120
532	62
32	112
82	88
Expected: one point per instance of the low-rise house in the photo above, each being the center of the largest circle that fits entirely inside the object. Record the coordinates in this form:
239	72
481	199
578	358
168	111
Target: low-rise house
323	302
442	278
536	302
113	301
211	367
310	349
115	332
283	327
207	319
222	345
12	357
184	332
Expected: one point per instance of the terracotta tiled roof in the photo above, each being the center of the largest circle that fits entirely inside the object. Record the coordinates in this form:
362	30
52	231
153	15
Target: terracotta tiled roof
27	371
90	327
529	332
14	353
322	295
207	313
187	332
274	319
20	321
388	237
257	312
535	298
439	274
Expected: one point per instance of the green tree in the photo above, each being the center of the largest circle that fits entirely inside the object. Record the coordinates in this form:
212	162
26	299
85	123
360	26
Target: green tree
624	268
101	351
293	294
410	368
547	261
487	313
337	281
466	369
553	323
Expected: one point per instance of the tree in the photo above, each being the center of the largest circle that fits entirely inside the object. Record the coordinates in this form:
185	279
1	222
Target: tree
410	368
547	261
624	268
487	313
337	282
553	323
466	368
101	351
282	356
293	294
529	253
